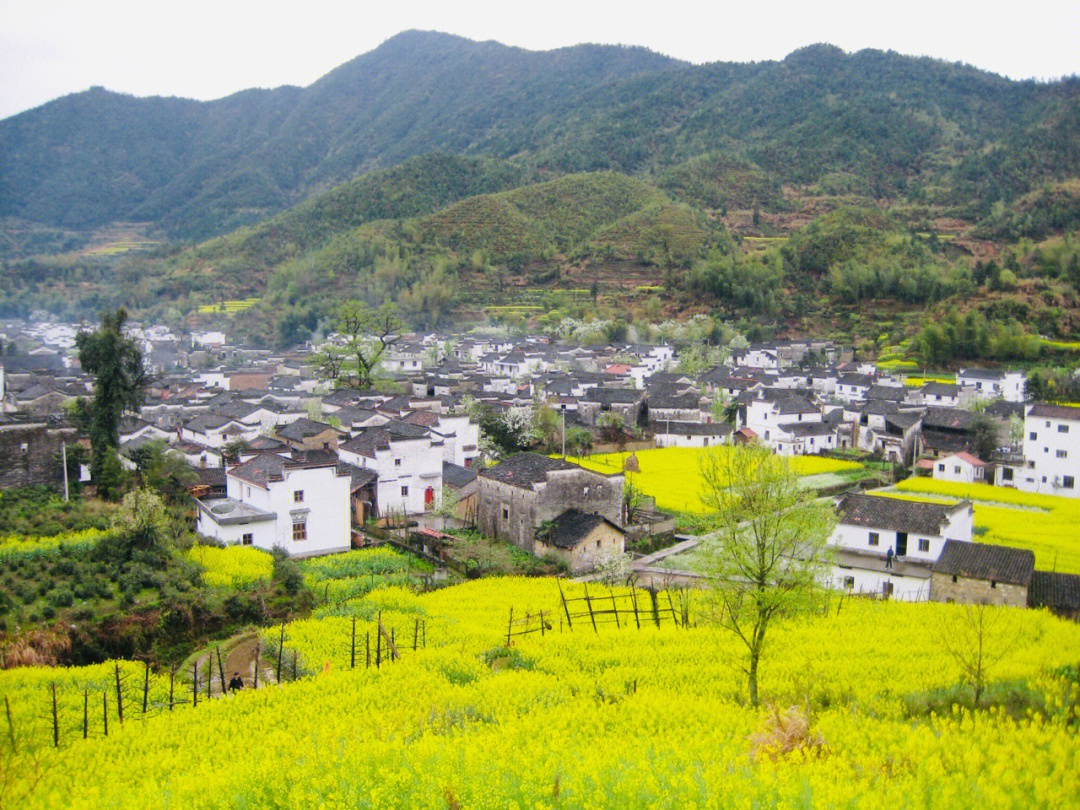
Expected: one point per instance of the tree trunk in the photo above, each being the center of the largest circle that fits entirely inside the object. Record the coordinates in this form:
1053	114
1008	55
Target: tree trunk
752	676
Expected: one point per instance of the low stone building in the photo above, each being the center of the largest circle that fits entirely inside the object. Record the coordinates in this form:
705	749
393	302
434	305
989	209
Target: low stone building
975	573
1058	593
29	449
520	494
580	539
306	434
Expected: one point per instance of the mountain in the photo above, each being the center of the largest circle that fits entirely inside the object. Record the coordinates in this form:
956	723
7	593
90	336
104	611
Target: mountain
872	123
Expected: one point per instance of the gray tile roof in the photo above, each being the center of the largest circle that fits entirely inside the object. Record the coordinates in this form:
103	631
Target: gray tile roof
1059	592
1055	411
525	469
895	514
1013	566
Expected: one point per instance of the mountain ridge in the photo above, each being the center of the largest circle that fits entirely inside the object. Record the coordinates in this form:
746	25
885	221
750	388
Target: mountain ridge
878	120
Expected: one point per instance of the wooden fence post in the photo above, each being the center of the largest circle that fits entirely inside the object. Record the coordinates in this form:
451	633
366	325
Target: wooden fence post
588	603
614	606
105	710
566	609
541	624
633	600
119	697
258	650
86	714
367	646
195	683
423	633
220	669
352	645
294	665
509	625
416	634
146	687
378	641
671	605
55	719
10	723
655	607
172	685
280	650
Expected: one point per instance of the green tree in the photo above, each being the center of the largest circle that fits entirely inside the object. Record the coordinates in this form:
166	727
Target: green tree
120	377
768	552
985	438
367	333
163	471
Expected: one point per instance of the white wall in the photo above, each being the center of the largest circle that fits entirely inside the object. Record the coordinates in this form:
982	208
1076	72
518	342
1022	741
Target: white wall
1052	456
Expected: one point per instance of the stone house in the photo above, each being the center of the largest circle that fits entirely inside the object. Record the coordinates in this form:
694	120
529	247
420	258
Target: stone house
28	450
307	434
518	495
975	573
580	539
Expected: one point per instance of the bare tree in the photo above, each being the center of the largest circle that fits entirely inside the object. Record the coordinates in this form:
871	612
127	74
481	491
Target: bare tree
977	637
368	333
768	552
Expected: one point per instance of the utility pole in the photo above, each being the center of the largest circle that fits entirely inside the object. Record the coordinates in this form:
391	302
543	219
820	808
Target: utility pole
63	451
564	431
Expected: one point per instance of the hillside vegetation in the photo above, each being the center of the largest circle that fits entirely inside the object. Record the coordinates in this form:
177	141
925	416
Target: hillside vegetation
871	123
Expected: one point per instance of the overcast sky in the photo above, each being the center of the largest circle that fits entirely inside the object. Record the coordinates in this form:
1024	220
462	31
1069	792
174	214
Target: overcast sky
206	49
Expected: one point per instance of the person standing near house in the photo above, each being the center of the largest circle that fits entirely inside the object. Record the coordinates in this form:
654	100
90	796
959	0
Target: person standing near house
889	557
237	683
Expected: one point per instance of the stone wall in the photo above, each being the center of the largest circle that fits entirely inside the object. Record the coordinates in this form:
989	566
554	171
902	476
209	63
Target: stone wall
946	588
514	513
28	454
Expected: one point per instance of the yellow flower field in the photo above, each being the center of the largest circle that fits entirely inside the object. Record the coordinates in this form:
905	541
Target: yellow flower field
32	545
672	475
1049	525
620	718
233	566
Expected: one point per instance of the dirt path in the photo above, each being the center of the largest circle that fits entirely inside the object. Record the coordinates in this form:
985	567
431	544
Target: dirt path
237	655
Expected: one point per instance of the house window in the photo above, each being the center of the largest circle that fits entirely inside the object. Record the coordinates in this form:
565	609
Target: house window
404	492
941	467
993	583
298	496
954	577
24	448
248	539
506	513
397	462
1068	482
1006	474
875	538
924	544
1063	428
1061	454
598	544
849	582
248	491
299	530
956	469
1033	435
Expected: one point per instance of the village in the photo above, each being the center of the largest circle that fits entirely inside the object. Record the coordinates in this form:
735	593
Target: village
282	459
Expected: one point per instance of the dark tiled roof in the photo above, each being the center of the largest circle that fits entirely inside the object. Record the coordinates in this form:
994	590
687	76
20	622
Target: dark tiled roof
942	442
983	561
570	528
941	389
1055	591
525	469
267	466
304	428
611	396
1055	411
454	475
891	393
895	514
211	477
948	419
358	476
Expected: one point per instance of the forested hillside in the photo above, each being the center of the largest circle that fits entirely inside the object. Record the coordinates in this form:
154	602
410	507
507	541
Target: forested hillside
870	123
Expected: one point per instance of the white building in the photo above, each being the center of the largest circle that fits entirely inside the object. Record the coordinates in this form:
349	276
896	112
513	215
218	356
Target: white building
962	468
408	460
993	383
299	504
1051	450
783	423
869	526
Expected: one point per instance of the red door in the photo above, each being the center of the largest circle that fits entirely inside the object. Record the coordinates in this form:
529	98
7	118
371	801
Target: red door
429	497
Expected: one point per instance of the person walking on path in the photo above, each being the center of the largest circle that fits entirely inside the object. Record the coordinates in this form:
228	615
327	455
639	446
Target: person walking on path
889	558
237	683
